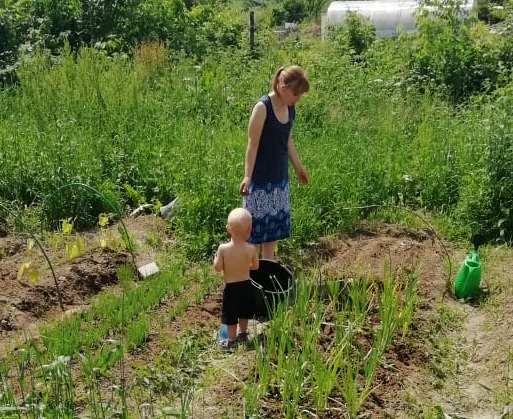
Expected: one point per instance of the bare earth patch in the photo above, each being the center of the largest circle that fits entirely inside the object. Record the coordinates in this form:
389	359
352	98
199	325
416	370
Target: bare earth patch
23	304
404	383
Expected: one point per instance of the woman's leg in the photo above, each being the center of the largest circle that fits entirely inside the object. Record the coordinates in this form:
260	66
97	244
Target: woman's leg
268	250
258	248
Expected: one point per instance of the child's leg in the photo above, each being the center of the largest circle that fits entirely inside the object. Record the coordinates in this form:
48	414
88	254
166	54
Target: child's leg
243	325
232	331
229	311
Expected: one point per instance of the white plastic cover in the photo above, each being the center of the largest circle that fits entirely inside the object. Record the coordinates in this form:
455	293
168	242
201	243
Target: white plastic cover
389	17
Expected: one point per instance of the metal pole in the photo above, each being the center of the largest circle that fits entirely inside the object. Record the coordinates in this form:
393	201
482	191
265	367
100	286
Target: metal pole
252	32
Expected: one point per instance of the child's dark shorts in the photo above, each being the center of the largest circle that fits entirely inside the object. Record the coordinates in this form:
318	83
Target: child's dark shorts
237	302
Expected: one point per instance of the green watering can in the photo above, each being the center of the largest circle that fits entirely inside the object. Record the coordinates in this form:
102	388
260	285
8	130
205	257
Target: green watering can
466	283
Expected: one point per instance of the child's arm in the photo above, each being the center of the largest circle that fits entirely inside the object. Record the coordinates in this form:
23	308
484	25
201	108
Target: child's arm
218	260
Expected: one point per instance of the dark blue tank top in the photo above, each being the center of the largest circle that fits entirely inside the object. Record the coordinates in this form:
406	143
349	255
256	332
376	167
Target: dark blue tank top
271	164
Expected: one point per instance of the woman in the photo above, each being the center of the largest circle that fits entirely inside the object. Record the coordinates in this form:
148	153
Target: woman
265	187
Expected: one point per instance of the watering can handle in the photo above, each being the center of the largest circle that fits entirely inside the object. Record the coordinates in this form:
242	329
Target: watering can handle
256	284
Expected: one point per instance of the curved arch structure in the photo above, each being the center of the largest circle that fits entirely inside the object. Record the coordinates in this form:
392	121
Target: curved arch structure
389	17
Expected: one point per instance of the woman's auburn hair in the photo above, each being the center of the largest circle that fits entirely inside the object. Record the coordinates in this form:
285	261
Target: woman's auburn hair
292	76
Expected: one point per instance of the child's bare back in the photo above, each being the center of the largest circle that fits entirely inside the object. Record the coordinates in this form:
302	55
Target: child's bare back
236	259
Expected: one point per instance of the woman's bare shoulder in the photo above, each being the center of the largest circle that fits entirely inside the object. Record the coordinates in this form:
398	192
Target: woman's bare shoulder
259	107
259	112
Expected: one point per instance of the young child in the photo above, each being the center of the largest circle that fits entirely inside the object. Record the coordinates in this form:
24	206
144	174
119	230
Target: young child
235	259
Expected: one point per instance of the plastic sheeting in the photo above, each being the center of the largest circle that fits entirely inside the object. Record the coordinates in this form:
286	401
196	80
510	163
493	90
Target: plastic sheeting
389	17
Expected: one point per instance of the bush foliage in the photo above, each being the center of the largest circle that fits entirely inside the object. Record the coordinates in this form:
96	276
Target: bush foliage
115	26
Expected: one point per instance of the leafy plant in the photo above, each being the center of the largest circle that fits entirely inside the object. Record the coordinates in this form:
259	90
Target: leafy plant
355	36
315	7
290	11
75	245
27	267
106	236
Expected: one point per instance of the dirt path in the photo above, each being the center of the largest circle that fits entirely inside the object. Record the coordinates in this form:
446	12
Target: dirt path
485	377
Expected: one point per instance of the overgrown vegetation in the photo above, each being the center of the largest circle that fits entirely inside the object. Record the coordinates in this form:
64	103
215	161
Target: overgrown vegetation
194	27
420	121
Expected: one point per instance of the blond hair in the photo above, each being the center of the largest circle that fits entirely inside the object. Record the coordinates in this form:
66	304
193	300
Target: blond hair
291	76
239	219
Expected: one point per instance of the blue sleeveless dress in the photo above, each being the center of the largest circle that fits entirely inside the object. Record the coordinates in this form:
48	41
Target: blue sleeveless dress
268	200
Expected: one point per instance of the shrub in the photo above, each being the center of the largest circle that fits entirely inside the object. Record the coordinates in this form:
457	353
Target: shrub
289	11
448	55
355	36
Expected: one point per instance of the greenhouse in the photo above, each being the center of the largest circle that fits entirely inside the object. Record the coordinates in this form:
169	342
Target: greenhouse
389	17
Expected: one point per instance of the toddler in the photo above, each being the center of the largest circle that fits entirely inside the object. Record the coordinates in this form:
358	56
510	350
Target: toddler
235	259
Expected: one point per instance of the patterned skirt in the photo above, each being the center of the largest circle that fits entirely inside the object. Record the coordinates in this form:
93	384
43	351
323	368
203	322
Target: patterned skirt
269	204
